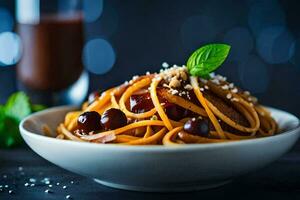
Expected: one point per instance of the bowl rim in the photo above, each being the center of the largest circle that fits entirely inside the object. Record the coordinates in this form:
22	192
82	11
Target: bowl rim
151	148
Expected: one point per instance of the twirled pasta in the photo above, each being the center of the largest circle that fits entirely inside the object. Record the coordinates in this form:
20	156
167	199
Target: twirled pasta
232	113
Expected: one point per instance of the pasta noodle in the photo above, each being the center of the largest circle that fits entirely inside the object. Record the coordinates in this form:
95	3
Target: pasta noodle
165	108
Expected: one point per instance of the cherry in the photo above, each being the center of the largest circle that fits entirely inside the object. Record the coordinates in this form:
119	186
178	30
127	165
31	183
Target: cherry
113	118
141	103
197	126
174	111
89	121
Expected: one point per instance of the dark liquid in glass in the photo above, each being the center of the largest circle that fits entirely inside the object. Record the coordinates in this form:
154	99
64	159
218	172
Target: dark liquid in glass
51	58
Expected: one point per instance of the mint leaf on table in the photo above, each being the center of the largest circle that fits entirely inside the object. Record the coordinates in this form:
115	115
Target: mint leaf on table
9	132
207	59
18	106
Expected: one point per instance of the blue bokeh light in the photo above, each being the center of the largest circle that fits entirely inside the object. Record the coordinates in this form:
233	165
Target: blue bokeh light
265	13
241	41
92	10
254	75
275	45
10	48
98	56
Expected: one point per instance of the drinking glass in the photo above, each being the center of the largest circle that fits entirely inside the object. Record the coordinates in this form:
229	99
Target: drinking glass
50	70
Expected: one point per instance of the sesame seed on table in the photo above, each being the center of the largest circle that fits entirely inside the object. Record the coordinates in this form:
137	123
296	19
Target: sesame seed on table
25	175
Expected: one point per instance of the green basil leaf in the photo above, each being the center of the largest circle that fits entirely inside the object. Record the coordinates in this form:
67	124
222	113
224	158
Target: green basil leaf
207	59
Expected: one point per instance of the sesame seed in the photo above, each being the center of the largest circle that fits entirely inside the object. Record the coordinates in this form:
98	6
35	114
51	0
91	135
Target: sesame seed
166	85
215	81
173	91
50	186
1	186
135	77
20	168
6	186
234	90
201	89
57	183
1	190
4	176
26	184
225	87
206	87
68	197
229	96
246	92
235	99
10	191
231	85
72	182
47	182
64	187
221	78
147	73
188	96
158	78
32	185
188	87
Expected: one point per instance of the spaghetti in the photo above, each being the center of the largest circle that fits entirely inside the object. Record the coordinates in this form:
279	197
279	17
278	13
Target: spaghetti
169	108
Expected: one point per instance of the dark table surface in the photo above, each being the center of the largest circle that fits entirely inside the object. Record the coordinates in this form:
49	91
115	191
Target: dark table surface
280	180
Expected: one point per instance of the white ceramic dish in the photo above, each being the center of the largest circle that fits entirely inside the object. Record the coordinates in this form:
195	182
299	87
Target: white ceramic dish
158	168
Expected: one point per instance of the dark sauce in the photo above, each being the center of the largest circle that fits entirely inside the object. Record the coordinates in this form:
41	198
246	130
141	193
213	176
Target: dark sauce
140	103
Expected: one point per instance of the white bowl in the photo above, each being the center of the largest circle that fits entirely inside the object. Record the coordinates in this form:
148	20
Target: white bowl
158	168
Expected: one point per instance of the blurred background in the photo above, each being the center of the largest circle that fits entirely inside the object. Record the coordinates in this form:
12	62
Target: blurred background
123	38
